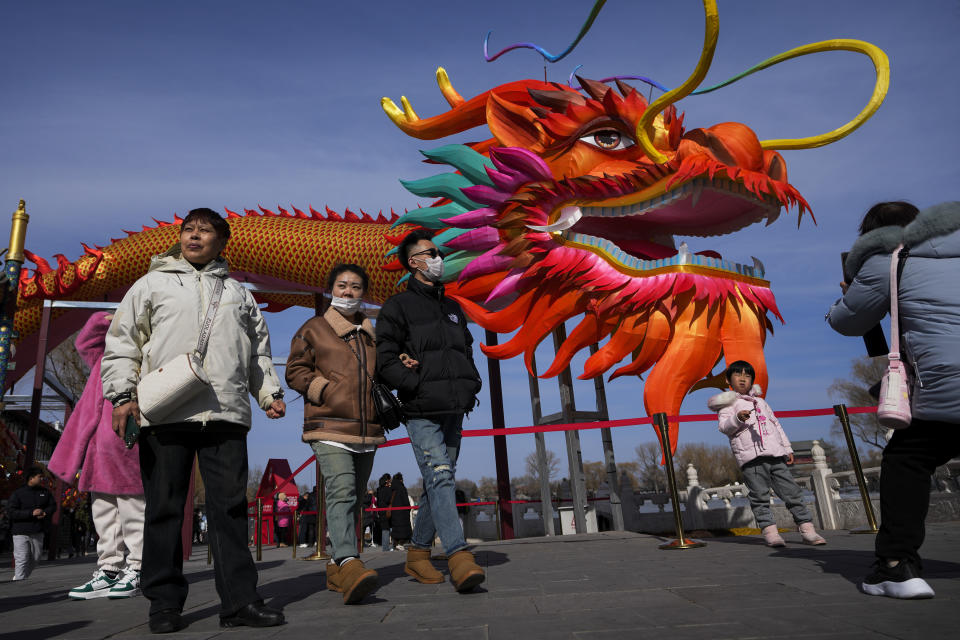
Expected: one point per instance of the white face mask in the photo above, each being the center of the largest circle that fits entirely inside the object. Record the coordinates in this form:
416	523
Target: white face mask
347	306
434	270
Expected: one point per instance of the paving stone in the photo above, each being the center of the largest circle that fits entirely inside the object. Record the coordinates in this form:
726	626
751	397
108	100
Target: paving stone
589	587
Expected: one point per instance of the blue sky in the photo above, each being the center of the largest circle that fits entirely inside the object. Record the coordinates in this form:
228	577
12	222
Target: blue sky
116	112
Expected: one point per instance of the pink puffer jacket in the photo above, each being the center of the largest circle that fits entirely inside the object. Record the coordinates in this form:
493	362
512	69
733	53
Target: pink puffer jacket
760	435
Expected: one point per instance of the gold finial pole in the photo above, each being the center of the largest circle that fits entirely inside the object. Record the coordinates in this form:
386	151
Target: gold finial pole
18	233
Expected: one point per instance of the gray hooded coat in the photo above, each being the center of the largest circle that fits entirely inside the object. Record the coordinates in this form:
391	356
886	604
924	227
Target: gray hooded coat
929	302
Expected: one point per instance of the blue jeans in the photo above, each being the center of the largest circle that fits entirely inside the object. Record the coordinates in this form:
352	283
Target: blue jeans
436	445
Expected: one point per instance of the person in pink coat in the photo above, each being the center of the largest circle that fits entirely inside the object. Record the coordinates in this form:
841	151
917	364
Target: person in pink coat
110	472
763	452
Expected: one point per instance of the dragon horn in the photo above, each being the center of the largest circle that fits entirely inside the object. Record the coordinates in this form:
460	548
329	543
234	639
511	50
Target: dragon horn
464	114
645	124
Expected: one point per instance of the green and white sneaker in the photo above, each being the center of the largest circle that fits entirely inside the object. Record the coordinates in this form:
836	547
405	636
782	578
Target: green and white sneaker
98	587
127	585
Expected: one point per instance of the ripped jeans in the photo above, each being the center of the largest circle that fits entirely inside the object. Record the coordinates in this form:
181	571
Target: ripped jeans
436	445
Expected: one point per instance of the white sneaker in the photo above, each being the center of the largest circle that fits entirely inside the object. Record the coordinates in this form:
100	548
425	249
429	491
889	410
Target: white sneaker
303	546
98	587
127	586
902	581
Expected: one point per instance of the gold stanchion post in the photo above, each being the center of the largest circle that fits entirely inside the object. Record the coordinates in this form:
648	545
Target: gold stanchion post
259	534
321	520
841	411
682	542
293	539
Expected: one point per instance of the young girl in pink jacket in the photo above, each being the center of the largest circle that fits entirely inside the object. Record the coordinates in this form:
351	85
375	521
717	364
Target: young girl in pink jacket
763	452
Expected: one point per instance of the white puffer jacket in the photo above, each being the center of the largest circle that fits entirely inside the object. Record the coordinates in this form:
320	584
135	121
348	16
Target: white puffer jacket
159	319
760	435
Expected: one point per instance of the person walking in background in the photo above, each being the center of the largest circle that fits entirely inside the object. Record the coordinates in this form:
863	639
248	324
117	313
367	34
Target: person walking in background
763	452
425	352
331	364
158	320
929	318
110	472
384	492
30	508
400	528
282	512
366	522
308	519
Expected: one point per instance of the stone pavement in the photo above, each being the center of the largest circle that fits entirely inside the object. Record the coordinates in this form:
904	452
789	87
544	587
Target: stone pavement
607	585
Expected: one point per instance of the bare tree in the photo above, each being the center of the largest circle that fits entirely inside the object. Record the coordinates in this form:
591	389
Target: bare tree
67	367
651	474
715	464
533	465
595	474
854	391
487	489
253	482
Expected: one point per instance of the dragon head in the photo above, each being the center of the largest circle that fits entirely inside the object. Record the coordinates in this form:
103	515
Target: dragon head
573	208
562	213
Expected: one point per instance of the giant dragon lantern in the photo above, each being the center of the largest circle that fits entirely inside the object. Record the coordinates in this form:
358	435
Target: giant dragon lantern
569	210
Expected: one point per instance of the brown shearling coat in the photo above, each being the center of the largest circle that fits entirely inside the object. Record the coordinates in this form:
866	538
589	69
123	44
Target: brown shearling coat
323	367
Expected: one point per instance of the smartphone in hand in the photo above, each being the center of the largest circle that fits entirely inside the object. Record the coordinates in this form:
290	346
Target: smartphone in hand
131	432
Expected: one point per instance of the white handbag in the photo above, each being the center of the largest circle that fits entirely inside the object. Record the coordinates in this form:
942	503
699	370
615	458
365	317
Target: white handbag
178	380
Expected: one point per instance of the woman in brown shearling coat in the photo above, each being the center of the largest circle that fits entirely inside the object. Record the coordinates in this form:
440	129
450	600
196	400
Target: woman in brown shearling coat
331	364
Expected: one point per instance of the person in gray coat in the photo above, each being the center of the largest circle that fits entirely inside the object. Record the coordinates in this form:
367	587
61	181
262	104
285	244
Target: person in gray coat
929	311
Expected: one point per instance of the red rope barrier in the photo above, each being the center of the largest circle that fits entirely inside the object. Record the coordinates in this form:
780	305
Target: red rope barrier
601	424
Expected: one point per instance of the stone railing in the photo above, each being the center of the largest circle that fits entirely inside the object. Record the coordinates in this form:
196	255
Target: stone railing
835	504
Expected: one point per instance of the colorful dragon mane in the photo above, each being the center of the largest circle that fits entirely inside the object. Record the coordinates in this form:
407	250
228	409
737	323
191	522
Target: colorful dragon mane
569	210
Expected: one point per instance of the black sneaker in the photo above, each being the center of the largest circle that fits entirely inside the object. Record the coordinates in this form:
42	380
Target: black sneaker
902	581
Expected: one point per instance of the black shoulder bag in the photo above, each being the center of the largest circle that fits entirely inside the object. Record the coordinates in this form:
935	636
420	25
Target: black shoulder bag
388	408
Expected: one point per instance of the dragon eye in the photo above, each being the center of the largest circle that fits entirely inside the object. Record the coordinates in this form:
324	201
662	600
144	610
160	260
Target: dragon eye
608	139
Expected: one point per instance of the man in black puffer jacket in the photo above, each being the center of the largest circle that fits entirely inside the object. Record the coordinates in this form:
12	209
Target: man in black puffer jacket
425	351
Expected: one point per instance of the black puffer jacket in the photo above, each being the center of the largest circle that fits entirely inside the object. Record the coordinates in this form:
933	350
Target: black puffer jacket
21	505
431	328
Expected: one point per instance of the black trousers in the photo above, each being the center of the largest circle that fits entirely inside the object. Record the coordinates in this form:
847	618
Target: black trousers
909	461
166	458
308	530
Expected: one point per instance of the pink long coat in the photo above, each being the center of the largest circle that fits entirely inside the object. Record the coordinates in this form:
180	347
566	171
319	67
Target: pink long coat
88	439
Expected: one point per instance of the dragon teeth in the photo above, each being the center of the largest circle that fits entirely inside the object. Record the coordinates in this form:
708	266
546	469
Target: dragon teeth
568	217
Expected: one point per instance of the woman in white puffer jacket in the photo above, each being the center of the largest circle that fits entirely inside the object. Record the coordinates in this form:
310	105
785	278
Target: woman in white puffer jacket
159	319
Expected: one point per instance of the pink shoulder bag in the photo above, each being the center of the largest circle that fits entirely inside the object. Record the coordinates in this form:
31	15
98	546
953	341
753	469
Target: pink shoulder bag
893	409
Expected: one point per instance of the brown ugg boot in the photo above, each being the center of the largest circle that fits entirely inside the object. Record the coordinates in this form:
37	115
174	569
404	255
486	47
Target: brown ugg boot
333	577
465	574
356	581
418	565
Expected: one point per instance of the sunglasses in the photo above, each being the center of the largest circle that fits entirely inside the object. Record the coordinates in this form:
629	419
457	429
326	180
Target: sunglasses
433	253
